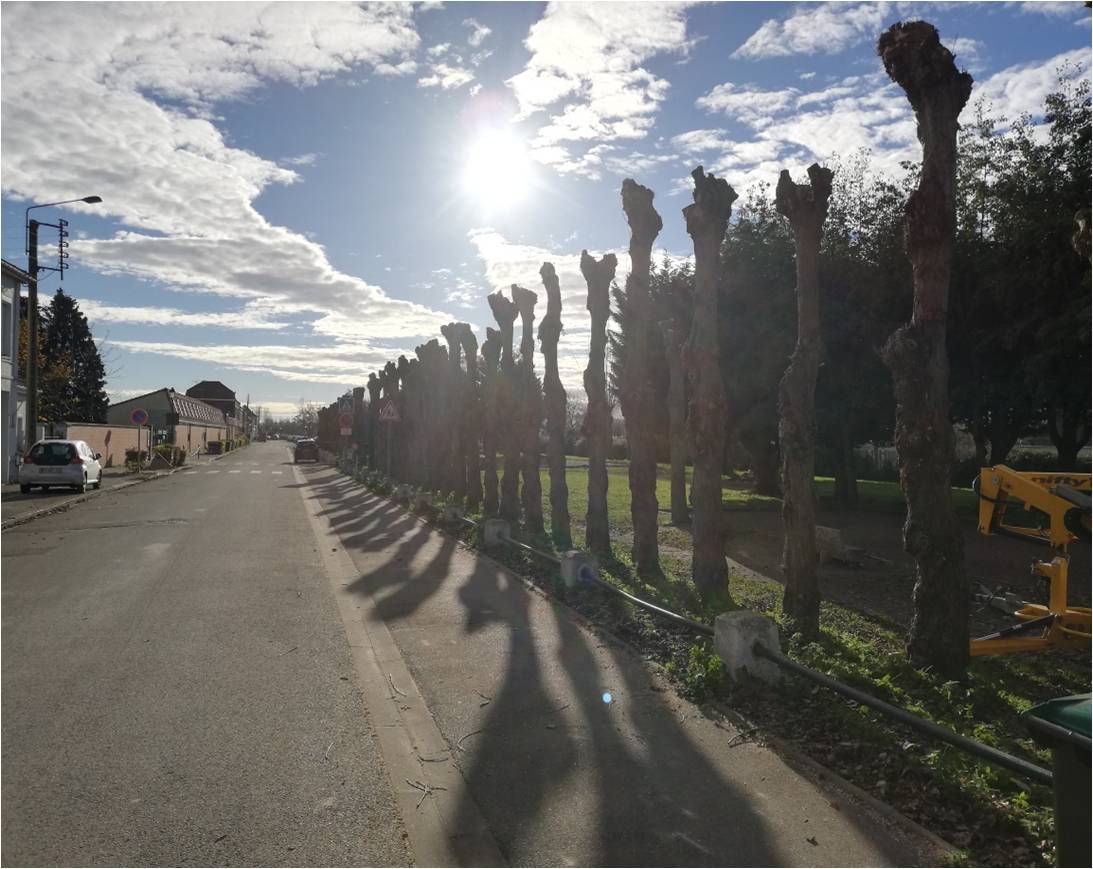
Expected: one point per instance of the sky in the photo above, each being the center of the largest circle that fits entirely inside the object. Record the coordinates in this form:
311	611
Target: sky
296	193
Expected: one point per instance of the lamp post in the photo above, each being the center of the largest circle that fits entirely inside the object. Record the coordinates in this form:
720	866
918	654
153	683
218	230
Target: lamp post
31	228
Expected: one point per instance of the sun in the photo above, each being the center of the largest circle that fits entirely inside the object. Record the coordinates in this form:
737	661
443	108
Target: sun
497	171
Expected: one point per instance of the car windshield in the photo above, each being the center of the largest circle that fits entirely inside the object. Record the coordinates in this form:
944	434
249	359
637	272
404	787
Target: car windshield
52	453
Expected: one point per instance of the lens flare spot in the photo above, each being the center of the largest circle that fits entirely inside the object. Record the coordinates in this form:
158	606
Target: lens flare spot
606	696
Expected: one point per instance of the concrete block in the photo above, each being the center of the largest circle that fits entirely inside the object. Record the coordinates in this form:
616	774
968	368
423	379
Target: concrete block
829	544
452	513
403	493
736	634
423	501
496	532
578	567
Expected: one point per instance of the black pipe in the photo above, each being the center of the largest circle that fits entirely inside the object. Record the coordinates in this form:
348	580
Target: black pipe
999	758
652	607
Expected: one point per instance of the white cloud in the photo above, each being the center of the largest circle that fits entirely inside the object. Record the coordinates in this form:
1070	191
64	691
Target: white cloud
191	203
446	77
822	28
344	364
302	160
249	318
747	104
1054	9
1024	87
586	66
405	67
479	32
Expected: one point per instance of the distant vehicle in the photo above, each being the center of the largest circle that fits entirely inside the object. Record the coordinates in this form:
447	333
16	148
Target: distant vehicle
306	448
53	463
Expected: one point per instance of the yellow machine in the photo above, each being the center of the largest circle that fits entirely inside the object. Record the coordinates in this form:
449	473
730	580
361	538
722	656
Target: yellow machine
1064	499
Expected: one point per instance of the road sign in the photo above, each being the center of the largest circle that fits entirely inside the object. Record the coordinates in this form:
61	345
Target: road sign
139	416
389	412
346	432
345	404
345	420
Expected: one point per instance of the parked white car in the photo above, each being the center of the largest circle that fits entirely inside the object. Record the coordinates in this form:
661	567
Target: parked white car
54	462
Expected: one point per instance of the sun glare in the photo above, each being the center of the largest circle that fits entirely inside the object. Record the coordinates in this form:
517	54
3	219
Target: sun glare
497	172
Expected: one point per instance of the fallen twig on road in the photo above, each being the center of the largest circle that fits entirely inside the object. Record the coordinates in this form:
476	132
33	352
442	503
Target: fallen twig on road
395	688
425	789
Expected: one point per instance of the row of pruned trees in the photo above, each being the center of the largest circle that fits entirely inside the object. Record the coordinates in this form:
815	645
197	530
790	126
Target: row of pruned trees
471	418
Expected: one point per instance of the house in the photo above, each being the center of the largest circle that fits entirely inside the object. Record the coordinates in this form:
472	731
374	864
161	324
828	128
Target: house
223	399
14	391
175	419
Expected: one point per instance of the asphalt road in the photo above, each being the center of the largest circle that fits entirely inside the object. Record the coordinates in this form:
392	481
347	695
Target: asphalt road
177	684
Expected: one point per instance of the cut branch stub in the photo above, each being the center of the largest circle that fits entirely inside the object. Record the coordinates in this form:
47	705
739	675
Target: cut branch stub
707	219
597	420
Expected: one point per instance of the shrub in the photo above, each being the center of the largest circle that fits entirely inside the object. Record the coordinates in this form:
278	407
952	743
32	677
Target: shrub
133	458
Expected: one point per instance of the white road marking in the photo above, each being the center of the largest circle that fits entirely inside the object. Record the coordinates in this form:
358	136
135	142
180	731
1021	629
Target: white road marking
256	472
189	473
235	472
276	472
212	472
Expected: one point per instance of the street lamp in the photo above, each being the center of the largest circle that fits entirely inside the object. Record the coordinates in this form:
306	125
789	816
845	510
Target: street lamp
31	233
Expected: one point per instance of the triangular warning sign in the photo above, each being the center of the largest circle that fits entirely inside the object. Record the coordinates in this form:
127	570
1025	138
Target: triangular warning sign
389	412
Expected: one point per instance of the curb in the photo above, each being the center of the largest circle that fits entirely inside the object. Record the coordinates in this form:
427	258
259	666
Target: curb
62	506
825	779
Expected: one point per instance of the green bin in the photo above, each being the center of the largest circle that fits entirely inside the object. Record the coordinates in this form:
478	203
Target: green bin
1063	725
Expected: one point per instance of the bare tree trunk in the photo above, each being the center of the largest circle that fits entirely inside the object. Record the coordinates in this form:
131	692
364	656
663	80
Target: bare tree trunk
805	206
491	353
915	59
554	398
1069	432
375	387
457	473
504	312
472	415
412	423
846	479
531	412
677	419
707	219
597	420
400	440
636	395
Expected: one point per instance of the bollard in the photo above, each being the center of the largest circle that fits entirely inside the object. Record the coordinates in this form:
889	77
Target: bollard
452	513
403	493
735	636
496	532
423	501
578	567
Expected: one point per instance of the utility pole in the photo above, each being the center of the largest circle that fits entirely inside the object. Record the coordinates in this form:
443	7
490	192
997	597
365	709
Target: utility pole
32	335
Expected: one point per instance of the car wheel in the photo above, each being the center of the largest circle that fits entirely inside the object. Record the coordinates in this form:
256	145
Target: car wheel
98	482
82	488
25	489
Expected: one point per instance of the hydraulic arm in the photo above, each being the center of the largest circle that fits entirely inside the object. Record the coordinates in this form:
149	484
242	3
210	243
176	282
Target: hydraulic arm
1064	499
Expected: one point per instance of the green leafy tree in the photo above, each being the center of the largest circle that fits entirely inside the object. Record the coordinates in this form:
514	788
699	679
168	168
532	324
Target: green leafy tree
72	376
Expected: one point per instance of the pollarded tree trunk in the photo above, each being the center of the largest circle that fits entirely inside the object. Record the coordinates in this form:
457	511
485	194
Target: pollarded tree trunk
1069	432
554	397
805	206
707	219
472	419
412	423
917	61
677	419
491	353
504	312
387	435
531	412
637	395
400	440
375	387
457	475
434	367
597	419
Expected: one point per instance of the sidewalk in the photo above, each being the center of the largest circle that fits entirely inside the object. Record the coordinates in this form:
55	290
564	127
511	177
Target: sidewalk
15	505
574	750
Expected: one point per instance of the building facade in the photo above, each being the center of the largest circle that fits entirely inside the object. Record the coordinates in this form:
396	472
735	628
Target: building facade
175	419
223	399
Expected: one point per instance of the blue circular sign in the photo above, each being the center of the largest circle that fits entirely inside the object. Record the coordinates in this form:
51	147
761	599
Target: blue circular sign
139	416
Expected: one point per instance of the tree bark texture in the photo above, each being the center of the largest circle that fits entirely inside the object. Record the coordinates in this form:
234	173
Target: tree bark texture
597	420
457	475
375	387
531	412
915	59
674	340
1069	432
554	400
805	206
504	312
400	432
637	395
472	419
707	219
491	355
413	424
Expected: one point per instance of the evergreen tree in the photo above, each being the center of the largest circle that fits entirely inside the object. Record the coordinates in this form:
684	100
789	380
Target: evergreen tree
72	375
